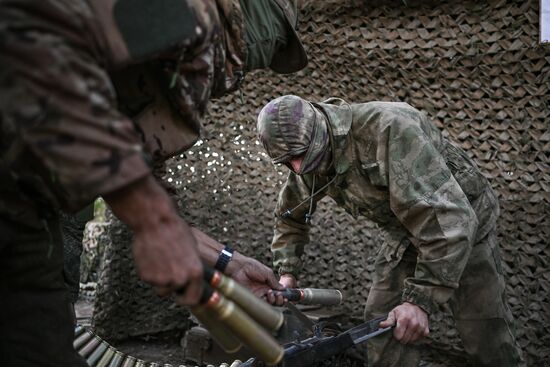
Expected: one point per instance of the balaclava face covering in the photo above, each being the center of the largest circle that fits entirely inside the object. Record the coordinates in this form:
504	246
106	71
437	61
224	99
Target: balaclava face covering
289	127
266	31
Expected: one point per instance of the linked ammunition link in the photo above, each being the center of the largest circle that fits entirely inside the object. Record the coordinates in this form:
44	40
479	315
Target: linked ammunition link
99	353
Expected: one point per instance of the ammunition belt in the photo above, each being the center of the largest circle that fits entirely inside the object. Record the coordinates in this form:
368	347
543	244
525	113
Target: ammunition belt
99	353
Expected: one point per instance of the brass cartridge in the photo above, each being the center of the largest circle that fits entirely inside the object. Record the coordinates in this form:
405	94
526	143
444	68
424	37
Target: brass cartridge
236	363
259	310
245	328
229	342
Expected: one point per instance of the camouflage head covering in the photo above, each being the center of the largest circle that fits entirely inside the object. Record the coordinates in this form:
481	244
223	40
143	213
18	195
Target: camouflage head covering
289	127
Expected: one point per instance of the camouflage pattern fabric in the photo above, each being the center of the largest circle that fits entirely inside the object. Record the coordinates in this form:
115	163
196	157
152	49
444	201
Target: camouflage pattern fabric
393	166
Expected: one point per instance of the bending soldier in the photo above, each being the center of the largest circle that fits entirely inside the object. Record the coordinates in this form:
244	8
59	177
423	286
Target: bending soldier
93	94
386	161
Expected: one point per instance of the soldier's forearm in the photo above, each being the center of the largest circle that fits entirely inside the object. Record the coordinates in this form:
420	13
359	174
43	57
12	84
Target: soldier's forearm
142	204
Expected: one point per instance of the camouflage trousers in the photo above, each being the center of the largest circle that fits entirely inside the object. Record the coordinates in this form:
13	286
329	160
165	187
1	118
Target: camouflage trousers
482	316
36	327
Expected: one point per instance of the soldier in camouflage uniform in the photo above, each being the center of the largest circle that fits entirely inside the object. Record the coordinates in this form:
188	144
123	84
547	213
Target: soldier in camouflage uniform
93	96
386	161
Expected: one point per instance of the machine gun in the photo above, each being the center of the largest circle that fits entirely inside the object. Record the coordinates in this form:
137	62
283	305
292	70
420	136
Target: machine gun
320	347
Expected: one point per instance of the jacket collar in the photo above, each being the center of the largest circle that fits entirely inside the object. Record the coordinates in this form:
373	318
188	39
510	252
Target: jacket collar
340	118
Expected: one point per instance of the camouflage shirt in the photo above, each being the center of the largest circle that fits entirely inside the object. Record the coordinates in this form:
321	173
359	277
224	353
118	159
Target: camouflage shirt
394	167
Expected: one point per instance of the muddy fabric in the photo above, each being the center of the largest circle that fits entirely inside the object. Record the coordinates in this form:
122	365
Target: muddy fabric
394	167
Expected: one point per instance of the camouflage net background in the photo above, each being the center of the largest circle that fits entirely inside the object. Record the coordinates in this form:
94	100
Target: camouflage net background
476	68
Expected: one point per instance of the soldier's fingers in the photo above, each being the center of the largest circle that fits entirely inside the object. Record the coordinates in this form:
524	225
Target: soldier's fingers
270	297
390	321
163	291
192	294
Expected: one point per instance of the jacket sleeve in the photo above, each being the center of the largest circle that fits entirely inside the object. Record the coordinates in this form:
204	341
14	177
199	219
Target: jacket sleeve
291	234
67	143
432	207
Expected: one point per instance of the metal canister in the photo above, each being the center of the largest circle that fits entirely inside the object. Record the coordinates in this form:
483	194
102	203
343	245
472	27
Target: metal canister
116	361
82	339
96	354
129	361
90	346
259	310
106	357
246	329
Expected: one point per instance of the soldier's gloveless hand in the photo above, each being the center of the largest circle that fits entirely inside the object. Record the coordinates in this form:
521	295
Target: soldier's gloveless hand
253	275
410	321
286	281
164	247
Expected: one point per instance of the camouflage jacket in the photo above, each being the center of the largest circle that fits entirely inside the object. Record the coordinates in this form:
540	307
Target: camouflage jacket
394	167
64	139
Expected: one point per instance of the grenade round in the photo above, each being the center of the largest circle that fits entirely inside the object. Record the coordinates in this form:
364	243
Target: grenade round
78	330
313	296
89	347
106	357
96	354
129	362
116	361
82	339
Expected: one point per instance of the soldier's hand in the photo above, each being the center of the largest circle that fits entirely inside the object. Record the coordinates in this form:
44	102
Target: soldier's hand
411	323
252	274
164	248
166	258
286	281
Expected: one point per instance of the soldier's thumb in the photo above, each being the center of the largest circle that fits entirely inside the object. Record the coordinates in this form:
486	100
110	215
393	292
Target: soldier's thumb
390	321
